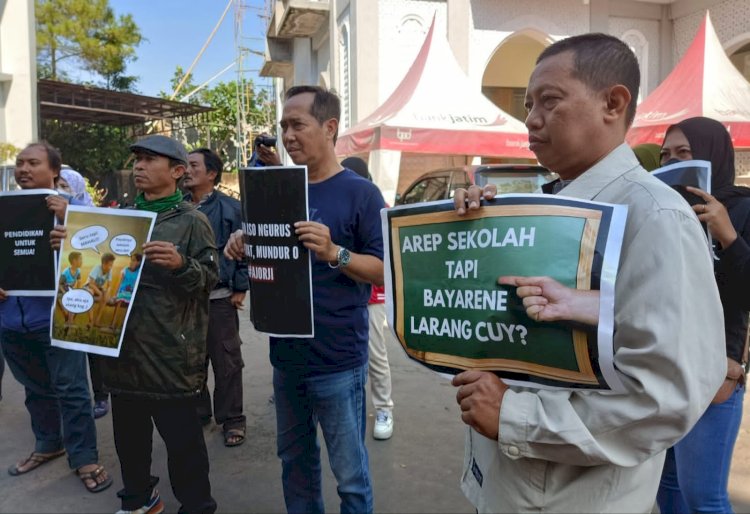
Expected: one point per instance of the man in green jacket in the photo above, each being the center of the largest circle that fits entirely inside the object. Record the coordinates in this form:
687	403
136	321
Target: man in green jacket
161	368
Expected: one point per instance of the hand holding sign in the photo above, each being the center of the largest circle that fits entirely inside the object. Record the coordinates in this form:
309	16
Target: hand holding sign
545	299
463	199
57	204
715	216
480	395
317	237
163	253
57	235
235	247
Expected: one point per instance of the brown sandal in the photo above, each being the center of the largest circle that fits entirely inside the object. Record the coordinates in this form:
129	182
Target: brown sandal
36	459
94	477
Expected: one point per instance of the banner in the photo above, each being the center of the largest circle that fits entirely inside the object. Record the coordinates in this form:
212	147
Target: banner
27	262
273	199
97	277
449	313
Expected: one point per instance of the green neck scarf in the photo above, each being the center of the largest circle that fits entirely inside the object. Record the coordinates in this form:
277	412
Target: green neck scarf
160	204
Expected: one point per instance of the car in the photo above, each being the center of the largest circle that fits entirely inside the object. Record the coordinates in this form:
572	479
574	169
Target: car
509	178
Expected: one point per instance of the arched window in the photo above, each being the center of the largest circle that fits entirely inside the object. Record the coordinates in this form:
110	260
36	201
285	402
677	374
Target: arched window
639	45
741	60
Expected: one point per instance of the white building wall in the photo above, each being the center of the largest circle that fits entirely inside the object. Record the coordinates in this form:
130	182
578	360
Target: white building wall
403	25
18	102
643	37
731	19
496	20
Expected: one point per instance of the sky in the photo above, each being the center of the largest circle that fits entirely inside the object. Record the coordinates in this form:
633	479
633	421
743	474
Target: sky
174	31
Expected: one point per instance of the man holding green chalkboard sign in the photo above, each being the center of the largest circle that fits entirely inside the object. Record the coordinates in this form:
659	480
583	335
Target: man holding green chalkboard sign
591	451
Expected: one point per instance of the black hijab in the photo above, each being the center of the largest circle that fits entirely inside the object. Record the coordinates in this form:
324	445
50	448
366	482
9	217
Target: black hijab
710	141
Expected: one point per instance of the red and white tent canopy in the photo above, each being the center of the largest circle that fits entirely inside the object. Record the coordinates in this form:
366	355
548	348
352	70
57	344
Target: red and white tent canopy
704	83
437	110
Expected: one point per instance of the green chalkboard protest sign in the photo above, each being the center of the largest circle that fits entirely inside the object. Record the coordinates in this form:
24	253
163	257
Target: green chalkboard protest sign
449	313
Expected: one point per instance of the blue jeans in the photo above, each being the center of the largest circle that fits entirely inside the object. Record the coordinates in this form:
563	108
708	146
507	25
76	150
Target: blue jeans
337	402
696	470
57	394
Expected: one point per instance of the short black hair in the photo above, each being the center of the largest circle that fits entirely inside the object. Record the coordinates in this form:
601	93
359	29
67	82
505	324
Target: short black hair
138	256
107	257
326	103
54	157
601	61
212	161
73	255
358	166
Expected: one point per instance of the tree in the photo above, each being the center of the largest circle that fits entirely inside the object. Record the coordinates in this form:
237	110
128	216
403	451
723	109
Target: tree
87	31
219	131
93	150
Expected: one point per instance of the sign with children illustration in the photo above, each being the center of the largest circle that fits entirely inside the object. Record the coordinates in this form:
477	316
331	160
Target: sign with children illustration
97	277
27	262
449	313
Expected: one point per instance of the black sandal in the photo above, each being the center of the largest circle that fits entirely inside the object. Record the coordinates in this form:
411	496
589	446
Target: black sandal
238	433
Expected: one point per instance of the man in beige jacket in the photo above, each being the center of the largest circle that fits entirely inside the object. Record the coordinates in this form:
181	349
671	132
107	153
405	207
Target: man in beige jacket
589	451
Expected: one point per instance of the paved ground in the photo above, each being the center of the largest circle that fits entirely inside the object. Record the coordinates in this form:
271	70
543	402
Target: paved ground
416	471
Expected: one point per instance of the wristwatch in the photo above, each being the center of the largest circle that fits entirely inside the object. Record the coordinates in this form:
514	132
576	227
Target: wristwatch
343	258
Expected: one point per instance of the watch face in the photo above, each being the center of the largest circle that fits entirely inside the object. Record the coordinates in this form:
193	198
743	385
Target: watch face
344	257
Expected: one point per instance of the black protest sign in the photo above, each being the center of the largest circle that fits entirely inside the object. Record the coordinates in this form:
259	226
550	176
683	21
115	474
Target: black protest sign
28	262
273	199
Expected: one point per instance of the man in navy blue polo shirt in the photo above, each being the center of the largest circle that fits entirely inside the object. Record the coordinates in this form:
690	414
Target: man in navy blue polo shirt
322	380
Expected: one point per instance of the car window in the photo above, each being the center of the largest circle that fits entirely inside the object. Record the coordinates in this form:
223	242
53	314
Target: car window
513	182
433	188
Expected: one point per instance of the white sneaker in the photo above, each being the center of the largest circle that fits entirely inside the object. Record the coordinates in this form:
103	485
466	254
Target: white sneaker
154	506
383	425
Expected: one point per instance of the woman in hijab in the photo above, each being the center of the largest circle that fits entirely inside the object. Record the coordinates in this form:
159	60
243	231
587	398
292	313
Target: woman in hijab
696	470
76	186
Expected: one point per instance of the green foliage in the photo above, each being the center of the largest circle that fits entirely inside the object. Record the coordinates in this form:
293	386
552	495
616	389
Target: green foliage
8	152
87	31
219	130
97	194
93	150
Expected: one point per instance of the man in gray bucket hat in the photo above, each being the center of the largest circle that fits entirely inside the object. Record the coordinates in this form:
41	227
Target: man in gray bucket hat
159	374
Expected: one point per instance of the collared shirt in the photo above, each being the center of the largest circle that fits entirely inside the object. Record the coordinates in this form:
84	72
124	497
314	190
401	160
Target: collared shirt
589	451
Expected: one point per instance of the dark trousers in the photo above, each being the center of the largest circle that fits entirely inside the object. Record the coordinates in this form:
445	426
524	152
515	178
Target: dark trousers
97	385
133	420
225	354
57	394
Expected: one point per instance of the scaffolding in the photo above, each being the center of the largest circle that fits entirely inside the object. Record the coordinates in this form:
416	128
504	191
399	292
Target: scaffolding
249	48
